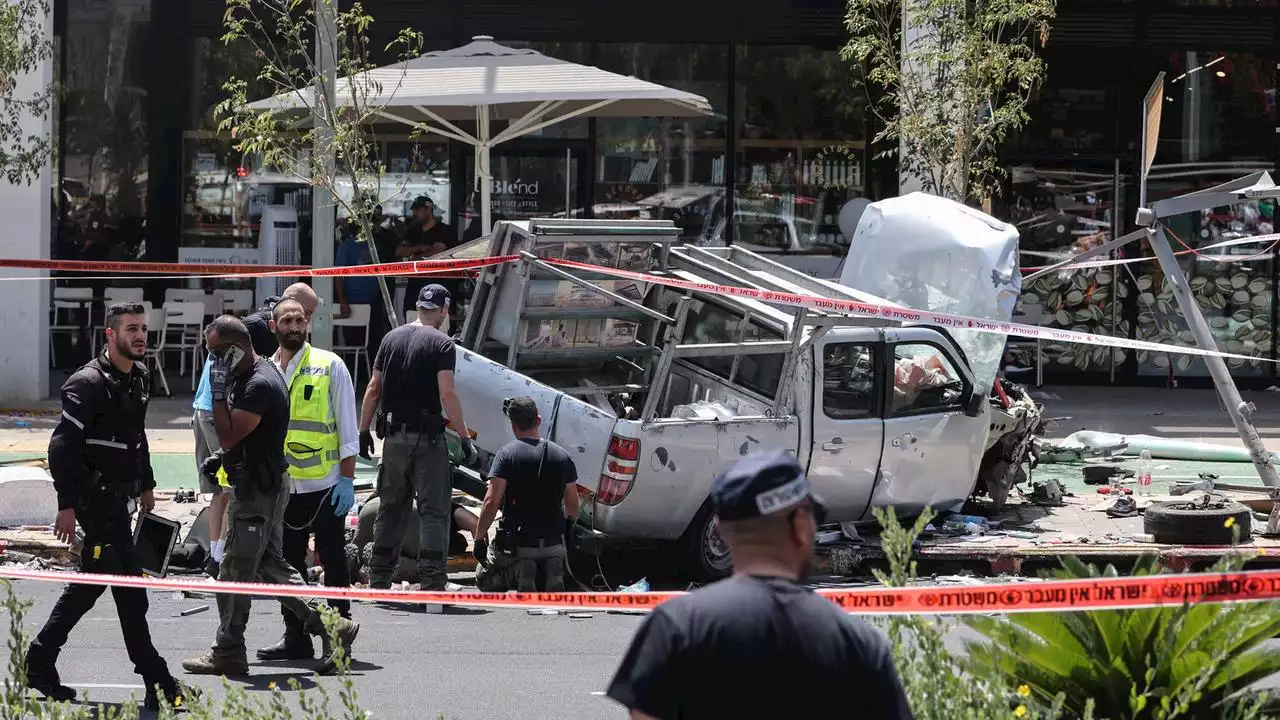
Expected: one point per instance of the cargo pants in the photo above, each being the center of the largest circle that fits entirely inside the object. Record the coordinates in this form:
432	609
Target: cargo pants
254	553
413	465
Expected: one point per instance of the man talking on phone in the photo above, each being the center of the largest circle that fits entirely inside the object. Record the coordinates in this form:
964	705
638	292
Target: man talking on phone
251	417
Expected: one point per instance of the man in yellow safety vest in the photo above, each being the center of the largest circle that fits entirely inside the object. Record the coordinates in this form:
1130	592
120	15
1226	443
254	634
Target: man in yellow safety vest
321	449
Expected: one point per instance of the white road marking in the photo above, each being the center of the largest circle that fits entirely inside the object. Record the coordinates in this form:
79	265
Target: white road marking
107	686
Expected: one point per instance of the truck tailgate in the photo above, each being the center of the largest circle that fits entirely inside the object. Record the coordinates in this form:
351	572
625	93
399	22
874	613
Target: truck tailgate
582	429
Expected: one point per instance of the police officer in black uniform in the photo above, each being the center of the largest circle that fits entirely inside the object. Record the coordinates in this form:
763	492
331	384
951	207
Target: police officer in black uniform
99	460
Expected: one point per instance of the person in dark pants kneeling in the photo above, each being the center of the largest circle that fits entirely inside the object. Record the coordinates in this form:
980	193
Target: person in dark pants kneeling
99	460
536	484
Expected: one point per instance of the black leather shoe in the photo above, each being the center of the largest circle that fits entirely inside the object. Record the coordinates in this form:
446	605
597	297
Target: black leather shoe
178	694
51	689
289	648
42	676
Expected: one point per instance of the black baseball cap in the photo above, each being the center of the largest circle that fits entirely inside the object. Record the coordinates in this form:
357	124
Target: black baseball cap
421	201
433	297
760	484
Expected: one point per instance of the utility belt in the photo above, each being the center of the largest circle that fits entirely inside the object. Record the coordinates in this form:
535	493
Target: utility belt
101	489
389	424
247	478
506	541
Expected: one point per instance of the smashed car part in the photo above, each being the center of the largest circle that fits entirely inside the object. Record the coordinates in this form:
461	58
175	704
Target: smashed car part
1011	456
928	252
1092	443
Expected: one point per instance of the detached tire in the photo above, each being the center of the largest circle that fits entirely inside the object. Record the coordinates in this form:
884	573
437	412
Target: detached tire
706	556
1188	523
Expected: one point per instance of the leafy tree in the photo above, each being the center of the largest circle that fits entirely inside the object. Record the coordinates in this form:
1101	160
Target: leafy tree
299	141
24	47
948	80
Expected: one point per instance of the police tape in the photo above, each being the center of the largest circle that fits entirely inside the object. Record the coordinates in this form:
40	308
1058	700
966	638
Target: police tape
864	309
1117	593
187	270
1272	238
904	314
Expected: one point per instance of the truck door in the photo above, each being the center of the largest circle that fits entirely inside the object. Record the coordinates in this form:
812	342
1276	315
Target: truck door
931	448
848	432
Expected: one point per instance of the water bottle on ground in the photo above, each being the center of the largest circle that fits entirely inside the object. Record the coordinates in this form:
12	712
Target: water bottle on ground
1144	473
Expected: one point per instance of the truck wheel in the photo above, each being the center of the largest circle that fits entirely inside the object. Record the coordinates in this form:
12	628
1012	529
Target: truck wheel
1188	522
705	553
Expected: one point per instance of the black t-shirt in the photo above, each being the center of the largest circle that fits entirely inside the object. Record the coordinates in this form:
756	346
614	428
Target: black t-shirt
259	327
533	501
417	235
409	358
262	392
782	650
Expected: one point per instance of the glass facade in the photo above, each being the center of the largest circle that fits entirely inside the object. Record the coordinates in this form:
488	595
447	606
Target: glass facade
103	130
143	173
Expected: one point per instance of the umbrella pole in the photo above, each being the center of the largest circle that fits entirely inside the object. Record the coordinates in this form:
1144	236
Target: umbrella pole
483	176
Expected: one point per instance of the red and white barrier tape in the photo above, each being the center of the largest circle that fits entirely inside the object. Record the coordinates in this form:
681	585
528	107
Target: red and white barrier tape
1273	238
1048	596
885	311
888	312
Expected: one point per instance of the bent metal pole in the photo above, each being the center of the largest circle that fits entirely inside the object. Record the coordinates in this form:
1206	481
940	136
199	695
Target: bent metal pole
1240	411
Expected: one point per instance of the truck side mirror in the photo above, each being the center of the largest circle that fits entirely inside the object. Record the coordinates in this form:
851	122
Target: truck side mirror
974	408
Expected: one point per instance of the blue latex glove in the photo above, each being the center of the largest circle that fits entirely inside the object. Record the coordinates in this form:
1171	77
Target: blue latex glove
343	496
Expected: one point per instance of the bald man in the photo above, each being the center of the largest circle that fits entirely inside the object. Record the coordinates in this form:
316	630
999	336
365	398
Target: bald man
259	323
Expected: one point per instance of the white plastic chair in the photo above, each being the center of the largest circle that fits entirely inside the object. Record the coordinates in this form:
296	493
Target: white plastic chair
183	330
156	330
237	302
183	295
111	296
359	317
66	301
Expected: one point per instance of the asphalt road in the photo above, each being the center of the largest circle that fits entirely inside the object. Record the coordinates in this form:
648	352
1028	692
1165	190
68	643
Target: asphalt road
467	664
482	664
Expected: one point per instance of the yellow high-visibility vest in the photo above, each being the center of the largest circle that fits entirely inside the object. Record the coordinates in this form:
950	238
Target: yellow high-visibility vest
311	445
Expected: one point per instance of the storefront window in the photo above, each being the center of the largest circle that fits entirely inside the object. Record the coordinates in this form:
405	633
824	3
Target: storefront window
665	168
104	137
1060	210
801	154
1218	125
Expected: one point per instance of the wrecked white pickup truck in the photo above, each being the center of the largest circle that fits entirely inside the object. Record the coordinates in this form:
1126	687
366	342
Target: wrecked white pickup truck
653	389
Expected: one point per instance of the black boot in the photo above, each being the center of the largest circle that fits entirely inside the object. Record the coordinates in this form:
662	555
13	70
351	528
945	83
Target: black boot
178	694
42	676
295	645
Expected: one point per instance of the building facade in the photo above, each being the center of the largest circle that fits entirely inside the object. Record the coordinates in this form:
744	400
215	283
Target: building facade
140	154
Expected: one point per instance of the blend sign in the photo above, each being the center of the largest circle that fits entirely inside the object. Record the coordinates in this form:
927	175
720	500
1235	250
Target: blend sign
515	197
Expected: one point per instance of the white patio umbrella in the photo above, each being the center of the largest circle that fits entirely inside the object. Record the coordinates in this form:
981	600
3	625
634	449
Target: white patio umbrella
486	81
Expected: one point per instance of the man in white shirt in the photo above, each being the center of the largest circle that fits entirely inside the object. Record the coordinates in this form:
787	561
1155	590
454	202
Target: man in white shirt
321	449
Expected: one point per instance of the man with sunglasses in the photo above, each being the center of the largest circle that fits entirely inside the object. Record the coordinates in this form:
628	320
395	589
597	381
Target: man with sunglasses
321	449
251	417
790	652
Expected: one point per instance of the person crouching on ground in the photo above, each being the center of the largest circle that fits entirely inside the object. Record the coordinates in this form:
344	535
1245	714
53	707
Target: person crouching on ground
536	485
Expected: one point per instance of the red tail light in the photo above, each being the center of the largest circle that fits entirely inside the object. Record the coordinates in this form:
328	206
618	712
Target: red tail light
619	470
